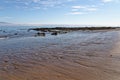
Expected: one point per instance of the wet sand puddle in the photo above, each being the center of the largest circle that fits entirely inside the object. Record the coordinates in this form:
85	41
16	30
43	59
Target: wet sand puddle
72	56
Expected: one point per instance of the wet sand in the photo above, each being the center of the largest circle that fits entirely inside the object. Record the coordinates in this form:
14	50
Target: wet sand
79	55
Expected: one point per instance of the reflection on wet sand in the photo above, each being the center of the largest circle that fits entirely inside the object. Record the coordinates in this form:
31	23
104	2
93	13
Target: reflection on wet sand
73	56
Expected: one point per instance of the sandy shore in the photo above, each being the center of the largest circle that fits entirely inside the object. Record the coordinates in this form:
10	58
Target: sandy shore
79	55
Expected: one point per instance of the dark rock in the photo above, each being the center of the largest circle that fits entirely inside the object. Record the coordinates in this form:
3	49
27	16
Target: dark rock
3	36
63	32
4	31
16	34
54	33
73	28
40	34
5	61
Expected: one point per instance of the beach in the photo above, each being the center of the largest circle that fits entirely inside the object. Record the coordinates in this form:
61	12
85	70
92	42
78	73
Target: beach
76	55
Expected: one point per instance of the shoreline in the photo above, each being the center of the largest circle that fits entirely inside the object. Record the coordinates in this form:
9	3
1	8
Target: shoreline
42	32
74	28
73	56
64	30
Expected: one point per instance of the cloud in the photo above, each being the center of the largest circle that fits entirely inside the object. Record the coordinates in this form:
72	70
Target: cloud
106	1
76	13
44	4
39	3
78	10
75	10
78	7
84	8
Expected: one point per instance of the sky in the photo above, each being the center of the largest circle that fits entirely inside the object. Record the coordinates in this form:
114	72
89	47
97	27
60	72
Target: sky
88	12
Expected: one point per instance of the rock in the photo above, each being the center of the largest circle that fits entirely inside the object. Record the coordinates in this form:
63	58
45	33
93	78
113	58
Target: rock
63	32
40	34
15	33
4	31
5	61
111	55
3	37
54	33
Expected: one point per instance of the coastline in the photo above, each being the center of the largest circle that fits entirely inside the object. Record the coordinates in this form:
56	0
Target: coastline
76	55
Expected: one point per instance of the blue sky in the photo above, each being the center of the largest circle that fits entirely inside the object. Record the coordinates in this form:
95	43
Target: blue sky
88	12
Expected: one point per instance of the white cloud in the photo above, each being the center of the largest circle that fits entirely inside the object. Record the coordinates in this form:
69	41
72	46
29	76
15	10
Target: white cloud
75	13
85	8
78	7
75	10
41	4
105	1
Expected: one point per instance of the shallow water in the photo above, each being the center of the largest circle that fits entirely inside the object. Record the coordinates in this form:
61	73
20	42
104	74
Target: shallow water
15	31
77	55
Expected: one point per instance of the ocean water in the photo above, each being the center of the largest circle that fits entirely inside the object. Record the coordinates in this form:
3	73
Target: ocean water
13	35
27	39
22	31
87	52
16	31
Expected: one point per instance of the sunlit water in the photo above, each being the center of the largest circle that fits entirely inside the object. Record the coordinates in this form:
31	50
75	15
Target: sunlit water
15	31
27	40
76	55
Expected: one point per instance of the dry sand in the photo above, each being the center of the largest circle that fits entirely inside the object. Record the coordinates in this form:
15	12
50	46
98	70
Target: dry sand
94	56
